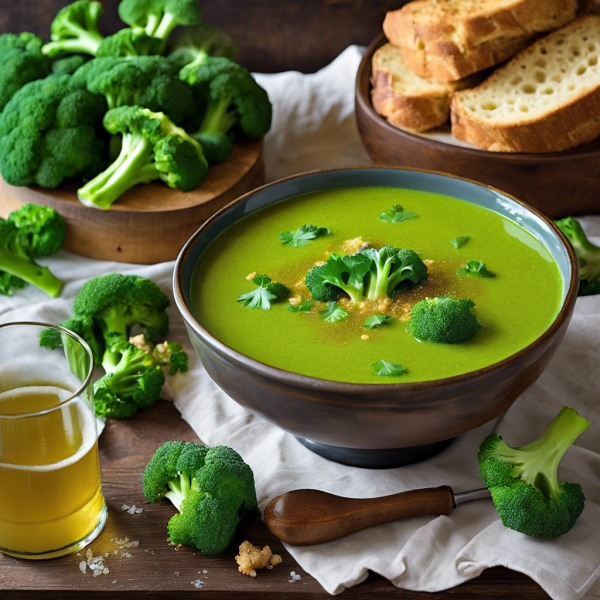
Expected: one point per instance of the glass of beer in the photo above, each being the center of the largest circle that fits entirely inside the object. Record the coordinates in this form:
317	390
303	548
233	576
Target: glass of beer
50	498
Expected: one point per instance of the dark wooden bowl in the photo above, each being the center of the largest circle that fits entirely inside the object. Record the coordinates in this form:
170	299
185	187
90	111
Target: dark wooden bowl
367	424
558	184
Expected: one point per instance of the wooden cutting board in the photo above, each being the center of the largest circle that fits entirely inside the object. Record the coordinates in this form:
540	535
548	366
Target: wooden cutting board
151	222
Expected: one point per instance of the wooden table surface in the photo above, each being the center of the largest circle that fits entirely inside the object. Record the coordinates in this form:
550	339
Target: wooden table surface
158	570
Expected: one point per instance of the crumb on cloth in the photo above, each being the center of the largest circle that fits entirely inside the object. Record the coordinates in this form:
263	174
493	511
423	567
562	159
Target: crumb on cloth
252	557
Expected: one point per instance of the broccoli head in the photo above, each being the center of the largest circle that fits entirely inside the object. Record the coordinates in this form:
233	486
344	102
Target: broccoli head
133	384
523	481
588	256
318	288
69	64
232	100
213	489
158	18
75	29
40	229
16	265
171	353
129	43
50	130
22	62
153	148
443	320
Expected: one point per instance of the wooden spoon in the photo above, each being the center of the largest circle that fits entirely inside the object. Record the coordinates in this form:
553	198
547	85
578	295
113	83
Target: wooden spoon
306	517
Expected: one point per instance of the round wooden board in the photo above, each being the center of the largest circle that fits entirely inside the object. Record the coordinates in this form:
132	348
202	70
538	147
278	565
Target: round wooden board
558	184
151	222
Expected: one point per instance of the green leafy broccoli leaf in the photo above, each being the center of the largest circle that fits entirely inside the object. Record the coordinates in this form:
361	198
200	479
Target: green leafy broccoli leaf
397	214
303	307
460	241
302	236
383	368
333	313
375	320
475	268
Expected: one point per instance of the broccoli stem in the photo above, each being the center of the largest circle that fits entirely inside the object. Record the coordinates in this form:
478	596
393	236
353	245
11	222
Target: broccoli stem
86	42
151	25
380	285
180	490
164	28
201	56
217	118
31	272
127	171
126	374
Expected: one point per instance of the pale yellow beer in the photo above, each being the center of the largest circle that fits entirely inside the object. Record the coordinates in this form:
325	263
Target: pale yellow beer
50	497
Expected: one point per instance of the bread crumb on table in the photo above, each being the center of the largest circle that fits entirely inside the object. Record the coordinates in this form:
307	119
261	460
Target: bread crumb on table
252	557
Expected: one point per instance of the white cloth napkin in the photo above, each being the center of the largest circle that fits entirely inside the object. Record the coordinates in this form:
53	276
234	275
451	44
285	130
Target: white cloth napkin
314	127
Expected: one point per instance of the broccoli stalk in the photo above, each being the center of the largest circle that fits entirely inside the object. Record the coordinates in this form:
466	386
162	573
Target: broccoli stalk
213	489
75	29
588	256
29	232
524	482
153	148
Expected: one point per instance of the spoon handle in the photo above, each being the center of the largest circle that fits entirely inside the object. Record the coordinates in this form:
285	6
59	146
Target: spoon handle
306	517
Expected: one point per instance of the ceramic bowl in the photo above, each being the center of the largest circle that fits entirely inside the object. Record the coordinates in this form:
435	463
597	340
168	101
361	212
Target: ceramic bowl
559	184
376	425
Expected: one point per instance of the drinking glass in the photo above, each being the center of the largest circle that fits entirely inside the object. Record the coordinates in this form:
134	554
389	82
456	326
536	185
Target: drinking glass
51	502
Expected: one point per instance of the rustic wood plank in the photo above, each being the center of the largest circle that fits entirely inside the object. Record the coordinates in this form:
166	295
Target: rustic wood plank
125	448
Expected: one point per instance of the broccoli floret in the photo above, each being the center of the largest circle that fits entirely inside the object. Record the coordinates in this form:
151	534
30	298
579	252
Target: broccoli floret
84	327
524	483
390	267
443	320
16	264
213	489
231	99
319	290
40	229
148	81
195	44
158	18
128	43
588	256
50	130
69	64
348	273
133	384
112	304
153	148
22	62
75	29
171	353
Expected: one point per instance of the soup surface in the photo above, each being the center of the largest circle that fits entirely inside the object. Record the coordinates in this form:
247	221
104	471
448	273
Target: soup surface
514	307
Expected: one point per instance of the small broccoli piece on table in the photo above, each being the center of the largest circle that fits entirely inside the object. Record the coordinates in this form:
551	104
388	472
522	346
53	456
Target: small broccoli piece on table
213	489
158	18
153	148
588	256
524	483
51	130
129	43
29	232
75	29
232	100
171	353
22	62
443	320
195	44
133	384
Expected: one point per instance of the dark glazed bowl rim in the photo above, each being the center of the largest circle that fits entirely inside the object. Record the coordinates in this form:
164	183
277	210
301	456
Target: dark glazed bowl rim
363	100
374	390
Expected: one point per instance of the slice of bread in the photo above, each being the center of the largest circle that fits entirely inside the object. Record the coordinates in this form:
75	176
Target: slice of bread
546	99
406	100
450	39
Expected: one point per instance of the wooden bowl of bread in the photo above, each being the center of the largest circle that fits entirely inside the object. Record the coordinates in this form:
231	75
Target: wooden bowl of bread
519	81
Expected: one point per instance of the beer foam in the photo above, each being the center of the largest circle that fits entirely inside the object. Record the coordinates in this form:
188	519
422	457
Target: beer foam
87	424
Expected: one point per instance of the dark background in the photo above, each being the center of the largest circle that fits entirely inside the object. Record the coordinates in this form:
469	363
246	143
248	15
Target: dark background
272	35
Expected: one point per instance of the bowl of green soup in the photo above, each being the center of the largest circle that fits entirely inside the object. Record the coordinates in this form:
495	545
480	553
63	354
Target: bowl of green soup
376	313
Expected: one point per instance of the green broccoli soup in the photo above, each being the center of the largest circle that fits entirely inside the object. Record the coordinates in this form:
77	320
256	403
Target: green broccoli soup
363	331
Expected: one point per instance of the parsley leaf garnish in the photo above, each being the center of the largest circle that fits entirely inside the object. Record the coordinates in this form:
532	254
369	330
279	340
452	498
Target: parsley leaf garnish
303	307
375	320
302	236
460	241
475	268
388	369
333	313
397	214
266	291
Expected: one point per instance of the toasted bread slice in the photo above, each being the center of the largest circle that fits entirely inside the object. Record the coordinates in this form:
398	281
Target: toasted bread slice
450	39
406	100
546	99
